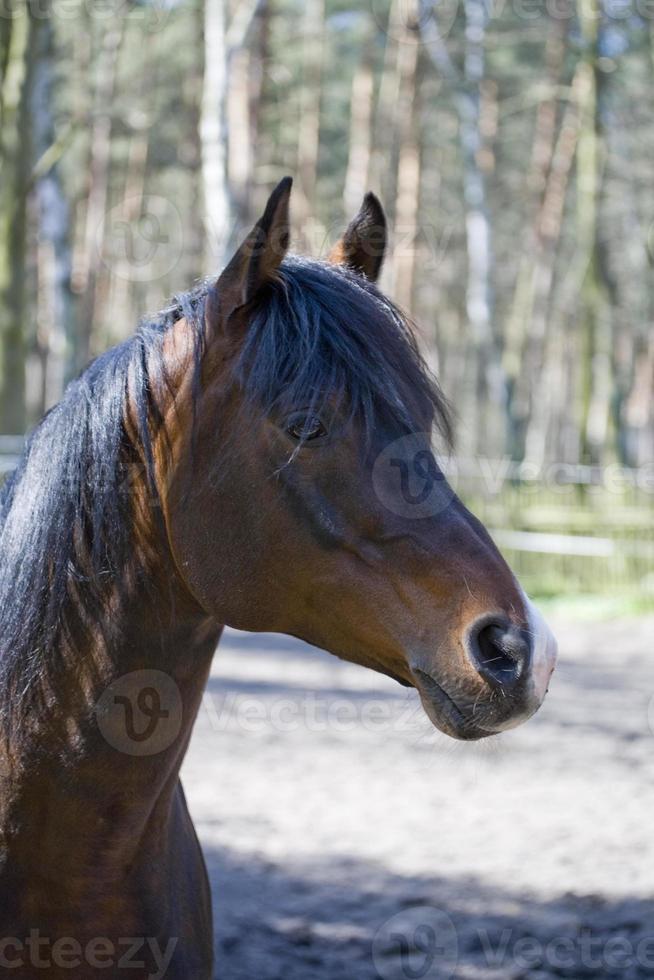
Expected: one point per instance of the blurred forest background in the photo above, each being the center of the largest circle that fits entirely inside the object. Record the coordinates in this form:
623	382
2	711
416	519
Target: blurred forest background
512	144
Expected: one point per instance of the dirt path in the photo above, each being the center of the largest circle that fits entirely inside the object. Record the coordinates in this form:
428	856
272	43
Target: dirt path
346	838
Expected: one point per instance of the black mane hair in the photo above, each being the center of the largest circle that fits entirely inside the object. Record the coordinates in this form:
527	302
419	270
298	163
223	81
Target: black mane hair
66	517
323	331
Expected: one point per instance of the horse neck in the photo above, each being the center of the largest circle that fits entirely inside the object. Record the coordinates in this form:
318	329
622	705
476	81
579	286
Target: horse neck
106	751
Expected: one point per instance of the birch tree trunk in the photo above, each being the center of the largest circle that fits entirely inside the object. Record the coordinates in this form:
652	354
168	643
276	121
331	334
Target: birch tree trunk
408	165
213	135
479	295
357	174
488	403
14	176
260	58
309	122
55	308
222	102
519	333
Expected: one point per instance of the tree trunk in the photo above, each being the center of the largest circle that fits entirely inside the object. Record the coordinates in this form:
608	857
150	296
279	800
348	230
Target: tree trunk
226	156
259	61
309	123
88	271
213	133
479	294
519	332
383	159
596	324
541	357
239	143
408	166
6	24
357	174
55	312
14	177
488	404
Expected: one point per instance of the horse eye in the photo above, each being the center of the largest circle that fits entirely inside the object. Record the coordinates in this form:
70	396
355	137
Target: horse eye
305	428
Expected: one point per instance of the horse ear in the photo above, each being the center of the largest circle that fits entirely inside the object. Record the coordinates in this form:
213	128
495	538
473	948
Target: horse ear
363	245
256	261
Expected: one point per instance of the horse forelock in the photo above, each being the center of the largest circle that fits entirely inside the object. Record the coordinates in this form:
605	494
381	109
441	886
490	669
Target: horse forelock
322	331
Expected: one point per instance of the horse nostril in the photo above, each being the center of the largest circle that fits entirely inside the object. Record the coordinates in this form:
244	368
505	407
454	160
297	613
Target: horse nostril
500	653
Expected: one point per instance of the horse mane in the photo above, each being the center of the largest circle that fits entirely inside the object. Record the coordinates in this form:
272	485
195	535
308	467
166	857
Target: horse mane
322	329
65	520
66	532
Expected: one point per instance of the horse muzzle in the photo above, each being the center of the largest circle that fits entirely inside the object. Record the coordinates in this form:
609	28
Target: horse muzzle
507	674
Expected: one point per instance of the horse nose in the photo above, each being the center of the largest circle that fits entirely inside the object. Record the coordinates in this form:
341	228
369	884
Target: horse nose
500	653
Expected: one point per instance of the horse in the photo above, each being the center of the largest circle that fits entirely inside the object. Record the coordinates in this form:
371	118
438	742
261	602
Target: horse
257	455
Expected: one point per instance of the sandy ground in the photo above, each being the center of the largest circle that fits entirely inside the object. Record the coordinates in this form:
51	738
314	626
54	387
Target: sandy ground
345	838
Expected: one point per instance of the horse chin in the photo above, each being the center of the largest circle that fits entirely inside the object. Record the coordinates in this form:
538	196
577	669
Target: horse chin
450	718
447	718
